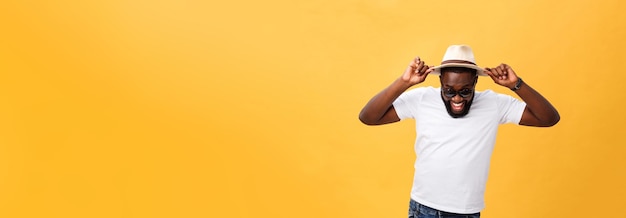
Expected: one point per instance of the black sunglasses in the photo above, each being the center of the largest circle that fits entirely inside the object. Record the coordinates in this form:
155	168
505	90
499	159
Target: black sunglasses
450	93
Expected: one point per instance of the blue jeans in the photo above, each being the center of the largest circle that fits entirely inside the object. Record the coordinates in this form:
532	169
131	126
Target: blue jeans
417	210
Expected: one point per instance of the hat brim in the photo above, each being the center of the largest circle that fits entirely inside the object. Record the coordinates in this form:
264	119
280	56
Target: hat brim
479	71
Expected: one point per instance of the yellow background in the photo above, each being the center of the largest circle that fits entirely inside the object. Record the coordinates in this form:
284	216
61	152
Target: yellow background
249	108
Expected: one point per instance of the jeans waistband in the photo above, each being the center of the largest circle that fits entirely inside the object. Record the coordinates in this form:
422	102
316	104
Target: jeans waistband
429	211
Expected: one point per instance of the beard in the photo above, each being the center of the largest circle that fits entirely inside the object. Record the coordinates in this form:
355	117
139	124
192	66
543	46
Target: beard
466	107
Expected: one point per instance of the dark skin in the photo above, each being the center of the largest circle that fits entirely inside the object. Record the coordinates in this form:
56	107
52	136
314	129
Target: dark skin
458	81
379	110
539	112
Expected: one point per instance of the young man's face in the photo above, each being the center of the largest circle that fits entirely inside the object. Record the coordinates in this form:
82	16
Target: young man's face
457	92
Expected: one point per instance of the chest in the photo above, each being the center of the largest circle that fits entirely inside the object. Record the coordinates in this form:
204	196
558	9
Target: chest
433	120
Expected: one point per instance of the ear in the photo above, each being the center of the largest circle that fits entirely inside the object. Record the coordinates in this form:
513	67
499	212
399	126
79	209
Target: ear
475	81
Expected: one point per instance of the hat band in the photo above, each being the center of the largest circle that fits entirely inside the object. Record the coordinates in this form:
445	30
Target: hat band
457	62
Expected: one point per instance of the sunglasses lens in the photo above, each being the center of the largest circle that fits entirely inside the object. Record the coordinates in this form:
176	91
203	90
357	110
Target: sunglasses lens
465	93
449	93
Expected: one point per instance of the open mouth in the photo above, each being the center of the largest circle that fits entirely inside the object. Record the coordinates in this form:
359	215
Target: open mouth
457	107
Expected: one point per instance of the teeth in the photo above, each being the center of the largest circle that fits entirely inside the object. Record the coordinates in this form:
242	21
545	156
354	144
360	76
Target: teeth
457	104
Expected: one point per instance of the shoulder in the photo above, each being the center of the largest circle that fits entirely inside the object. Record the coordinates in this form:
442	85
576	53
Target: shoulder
498	98
424	89
486	93
489	94
421	91
417	94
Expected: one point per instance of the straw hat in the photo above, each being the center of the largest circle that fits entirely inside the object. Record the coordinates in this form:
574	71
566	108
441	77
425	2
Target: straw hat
459	56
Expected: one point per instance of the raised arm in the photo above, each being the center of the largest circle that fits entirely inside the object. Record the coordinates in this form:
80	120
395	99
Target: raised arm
379	110
538	111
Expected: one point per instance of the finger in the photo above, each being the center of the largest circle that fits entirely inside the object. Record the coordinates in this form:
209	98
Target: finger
500	68
414	63
499	72
425	69
509	69
430	69
505	71
490	73
420	67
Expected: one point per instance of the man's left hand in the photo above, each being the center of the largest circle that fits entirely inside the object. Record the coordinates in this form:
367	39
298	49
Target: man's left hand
502	75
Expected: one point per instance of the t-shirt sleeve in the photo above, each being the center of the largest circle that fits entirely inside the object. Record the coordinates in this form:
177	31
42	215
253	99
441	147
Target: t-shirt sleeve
406	102
510	109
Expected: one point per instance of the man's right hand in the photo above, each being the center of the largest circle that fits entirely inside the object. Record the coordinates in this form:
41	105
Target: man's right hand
416	72
379	110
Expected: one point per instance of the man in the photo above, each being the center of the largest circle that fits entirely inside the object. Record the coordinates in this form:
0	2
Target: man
456	128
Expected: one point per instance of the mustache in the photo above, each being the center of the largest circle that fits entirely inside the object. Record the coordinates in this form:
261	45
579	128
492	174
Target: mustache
466	107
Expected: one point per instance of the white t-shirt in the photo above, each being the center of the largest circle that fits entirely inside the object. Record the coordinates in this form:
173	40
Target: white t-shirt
453	154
